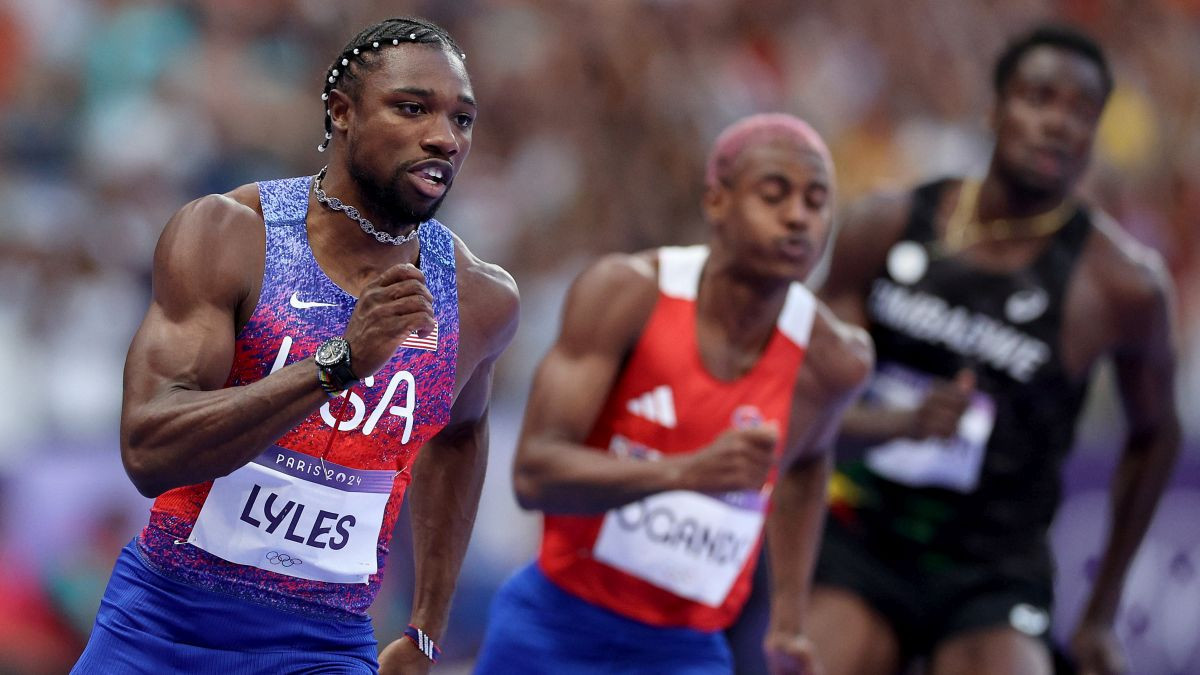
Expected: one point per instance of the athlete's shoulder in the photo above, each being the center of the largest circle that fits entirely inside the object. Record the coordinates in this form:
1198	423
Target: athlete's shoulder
213	224
1131	275
490	280
209	254
610	302
222	212
865	233
877	218
632	274
841	355
487	296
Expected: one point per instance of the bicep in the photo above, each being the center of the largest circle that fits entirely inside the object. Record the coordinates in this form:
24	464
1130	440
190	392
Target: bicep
1145	363
568	391
604	314
815	428
186	339
843	289
841	361
190	351
864	236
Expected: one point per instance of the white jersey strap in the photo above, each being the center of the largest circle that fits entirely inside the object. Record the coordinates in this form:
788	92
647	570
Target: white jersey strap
799	312
679	269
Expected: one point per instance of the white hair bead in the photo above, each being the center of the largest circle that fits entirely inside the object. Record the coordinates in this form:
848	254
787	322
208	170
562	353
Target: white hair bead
412	36
356	50
325	96
345	62
395	41
375	45
335	72
331	79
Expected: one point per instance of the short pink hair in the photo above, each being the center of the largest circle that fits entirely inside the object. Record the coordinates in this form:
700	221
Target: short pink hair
756	129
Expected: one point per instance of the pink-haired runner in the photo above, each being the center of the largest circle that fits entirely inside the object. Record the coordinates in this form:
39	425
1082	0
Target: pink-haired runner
689	400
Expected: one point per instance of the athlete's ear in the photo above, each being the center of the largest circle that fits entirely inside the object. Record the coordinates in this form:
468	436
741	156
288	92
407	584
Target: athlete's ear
340	107
715	203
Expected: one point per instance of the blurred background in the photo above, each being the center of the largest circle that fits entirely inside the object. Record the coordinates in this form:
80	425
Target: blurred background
594	121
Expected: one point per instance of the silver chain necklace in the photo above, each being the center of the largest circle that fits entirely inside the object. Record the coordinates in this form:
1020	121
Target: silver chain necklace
335	204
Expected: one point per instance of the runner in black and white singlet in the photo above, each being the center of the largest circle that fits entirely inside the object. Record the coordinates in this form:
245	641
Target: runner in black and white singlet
990	304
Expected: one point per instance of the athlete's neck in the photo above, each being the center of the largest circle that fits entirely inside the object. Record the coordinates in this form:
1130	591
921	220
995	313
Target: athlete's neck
744	308
340	184
347	254
1001	199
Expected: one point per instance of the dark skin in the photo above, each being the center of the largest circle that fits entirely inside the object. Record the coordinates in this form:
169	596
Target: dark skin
180	427
769	224
1118	306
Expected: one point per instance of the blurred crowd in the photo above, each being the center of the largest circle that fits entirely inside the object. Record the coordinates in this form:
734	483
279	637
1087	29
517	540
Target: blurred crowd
594	120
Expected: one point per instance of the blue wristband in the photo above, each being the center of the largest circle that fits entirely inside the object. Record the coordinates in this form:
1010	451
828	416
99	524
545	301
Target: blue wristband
423	642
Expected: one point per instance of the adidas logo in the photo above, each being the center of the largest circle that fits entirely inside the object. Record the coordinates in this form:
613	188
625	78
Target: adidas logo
657	405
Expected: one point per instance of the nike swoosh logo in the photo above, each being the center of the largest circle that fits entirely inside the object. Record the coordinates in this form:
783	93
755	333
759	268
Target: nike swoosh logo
301	304
1025	306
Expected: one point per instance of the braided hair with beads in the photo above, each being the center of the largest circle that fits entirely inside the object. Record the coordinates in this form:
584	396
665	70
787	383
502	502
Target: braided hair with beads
360	56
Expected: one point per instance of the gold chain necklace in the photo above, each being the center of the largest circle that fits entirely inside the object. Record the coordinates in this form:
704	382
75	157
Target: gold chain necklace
964	229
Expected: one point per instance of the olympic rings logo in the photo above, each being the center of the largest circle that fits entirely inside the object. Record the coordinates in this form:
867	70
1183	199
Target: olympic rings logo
277	558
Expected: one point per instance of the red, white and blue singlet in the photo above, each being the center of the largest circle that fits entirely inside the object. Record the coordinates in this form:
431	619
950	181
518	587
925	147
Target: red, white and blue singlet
679	559
293	529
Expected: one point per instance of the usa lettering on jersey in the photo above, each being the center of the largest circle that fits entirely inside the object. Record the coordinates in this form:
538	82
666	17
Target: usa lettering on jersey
358	413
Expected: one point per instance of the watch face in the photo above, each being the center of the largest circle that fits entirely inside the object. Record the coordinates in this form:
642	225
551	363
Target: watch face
331	352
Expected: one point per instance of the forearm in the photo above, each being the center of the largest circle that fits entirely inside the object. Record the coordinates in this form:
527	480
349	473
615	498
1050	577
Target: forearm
443	500
570	478
793	535
1140	478
183	437
865	424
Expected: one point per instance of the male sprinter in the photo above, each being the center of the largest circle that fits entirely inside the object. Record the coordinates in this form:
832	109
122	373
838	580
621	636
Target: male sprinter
692	394
278	404
990	304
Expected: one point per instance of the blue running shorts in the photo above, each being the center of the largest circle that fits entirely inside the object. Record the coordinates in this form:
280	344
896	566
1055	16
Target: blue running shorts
150	624
535	627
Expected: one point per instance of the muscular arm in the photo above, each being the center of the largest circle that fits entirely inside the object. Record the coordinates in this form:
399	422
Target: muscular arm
178	426
837	367
605	312
864	237
448	474
603	316
1145	367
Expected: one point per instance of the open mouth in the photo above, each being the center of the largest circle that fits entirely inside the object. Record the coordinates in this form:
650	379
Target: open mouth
431	178
433	175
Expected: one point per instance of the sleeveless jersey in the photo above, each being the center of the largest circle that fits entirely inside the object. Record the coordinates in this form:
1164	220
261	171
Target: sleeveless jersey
380	427
678	558
992	490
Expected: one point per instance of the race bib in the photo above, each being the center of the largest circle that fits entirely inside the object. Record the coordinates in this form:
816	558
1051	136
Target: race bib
291	513
692	544
953	463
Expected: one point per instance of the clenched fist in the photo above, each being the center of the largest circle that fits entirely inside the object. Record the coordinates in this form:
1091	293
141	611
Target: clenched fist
392	307
739	459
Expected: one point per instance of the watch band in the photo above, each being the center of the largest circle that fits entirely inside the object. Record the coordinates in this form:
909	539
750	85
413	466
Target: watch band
335	377
328	383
